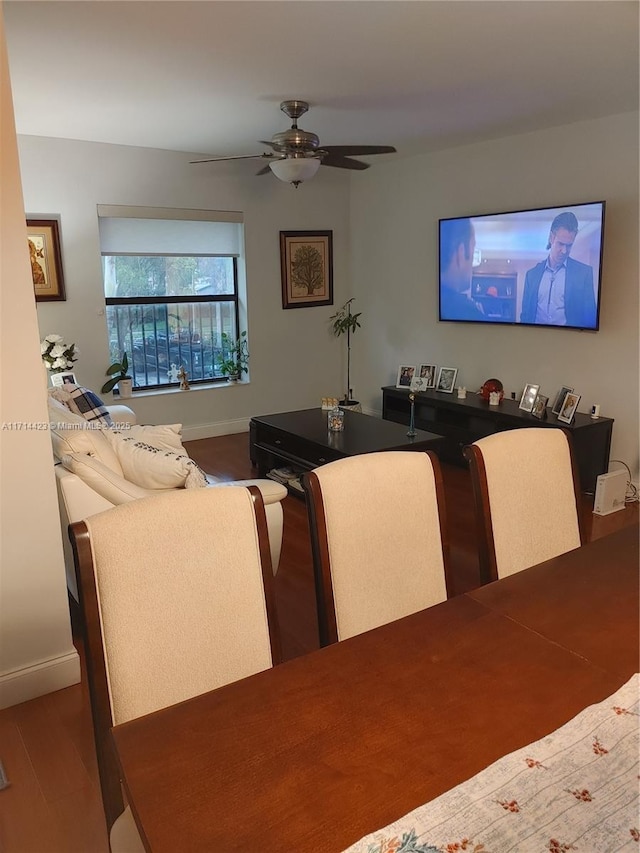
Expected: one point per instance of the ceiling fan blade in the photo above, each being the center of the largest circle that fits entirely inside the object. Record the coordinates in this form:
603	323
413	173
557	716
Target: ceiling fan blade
264	171
347	150
236	157
343	162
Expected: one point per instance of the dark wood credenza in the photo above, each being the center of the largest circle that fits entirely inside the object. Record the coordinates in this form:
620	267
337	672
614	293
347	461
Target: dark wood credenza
462	422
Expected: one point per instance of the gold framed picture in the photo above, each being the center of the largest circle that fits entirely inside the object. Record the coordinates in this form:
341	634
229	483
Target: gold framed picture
43	237
306	263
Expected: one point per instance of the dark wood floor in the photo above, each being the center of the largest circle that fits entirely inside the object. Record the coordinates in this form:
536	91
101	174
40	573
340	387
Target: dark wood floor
53	803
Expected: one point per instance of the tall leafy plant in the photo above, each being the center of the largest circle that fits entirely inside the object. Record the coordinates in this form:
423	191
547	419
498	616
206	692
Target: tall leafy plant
344	322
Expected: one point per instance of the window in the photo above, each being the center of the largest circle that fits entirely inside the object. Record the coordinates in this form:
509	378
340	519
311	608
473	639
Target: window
172	287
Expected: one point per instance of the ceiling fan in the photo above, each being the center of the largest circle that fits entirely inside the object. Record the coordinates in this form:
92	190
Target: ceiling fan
297	154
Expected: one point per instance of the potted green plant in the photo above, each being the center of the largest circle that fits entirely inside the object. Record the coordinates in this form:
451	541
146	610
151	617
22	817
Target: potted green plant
344	322
233	361
118	372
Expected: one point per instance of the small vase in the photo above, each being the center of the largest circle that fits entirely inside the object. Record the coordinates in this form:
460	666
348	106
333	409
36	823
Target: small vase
125	387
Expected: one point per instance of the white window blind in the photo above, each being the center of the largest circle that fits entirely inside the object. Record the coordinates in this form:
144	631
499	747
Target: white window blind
166	231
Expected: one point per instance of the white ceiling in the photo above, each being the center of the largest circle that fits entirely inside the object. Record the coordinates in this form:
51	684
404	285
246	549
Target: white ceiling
207	77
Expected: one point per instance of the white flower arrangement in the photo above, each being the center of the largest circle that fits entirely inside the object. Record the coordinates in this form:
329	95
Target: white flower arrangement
57	355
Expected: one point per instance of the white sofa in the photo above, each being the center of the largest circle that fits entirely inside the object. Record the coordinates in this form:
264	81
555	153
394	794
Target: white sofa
90	479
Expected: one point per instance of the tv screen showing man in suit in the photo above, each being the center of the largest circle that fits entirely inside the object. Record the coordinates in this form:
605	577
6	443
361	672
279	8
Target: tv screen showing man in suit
533	267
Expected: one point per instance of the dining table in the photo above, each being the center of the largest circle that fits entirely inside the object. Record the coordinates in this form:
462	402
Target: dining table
320	751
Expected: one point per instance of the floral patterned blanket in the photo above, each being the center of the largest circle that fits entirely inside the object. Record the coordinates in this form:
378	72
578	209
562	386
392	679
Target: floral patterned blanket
575	790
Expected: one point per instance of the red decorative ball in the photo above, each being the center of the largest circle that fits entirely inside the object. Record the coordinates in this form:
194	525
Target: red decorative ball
489	386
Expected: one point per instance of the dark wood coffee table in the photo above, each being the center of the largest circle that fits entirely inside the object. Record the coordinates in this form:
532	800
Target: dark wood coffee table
303	441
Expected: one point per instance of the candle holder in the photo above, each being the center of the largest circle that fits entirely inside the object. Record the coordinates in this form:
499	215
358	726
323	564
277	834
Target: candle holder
412	427
336	420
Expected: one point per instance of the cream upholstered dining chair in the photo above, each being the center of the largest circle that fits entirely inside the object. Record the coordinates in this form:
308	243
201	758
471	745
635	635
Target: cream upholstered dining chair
377	533
527	498
177	591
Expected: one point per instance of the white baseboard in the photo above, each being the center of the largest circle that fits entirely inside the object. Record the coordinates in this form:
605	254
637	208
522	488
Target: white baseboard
193	433
20	685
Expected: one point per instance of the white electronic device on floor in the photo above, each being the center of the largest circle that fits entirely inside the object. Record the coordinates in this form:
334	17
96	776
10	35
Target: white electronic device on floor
611	491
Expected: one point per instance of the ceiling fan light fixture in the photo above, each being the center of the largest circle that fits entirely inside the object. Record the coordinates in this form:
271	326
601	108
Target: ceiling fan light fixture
294	170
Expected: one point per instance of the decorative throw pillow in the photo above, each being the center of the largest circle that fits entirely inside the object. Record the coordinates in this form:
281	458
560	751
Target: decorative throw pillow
165	436
58	408
84	402
155	461
102	479
71	433
60	395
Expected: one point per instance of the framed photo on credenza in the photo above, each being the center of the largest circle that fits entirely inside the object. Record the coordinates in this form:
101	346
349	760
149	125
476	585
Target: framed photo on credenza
447	379
528	398
428	372
540	407
569	407
406	372
557	403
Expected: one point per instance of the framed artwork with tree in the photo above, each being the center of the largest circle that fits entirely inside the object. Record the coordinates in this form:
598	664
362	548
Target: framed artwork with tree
306	263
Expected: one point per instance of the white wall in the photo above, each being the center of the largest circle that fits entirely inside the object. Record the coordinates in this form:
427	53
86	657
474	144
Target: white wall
36	650
394	265
385	253
294	359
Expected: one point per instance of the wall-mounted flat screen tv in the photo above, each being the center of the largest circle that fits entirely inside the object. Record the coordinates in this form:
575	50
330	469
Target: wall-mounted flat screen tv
530	267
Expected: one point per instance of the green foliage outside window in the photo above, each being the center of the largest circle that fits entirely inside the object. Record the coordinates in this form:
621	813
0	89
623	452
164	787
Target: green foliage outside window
133	276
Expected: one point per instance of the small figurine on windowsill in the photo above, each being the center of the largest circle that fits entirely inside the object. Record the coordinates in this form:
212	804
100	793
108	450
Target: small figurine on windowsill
182	376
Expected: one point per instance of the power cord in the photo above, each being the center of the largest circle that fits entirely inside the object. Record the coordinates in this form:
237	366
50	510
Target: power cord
632	491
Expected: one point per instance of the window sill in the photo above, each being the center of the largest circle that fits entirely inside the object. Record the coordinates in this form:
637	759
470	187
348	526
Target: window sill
161	392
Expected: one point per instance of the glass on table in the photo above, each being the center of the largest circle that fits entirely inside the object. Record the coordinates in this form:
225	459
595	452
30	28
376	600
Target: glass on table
336	420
